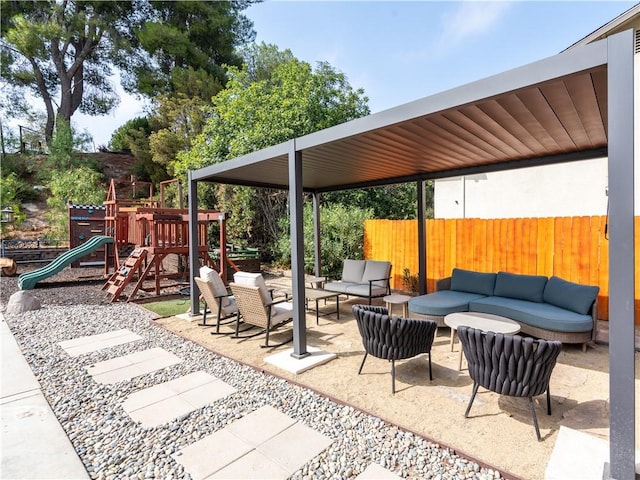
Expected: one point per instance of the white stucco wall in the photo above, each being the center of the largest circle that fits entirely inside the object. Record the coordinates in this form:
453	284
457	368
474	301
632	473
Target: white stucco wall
566	189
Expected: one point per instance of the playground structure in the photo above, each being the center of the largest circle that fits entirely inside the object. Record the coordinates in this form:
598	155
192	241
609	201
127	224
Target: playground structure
155	232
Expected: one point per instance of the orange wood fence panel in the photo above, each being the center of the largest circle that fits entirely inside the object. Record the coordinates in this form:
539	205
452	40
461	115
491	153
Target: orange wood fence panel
573	248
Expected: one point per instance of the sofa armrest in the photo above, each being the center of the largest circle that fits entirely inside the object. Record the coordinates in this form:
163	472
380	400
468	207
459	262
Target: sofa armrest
443	284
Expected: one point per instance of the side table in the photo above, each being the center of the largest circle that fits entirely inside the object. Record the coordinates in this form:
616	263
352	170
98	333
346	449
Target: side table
397	299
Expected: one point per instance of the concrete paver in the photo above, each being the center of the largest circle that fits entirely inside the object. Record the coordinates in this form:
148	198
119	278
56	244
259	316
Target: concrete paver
132	365
92	343
377	472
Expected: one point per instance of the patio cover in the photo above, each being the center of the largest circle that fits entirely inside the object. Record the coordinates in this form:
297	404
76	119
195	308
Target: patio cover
576	105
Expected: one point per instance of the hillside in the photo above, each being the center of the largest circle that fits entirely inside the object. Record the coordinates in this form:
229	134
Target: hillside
115	165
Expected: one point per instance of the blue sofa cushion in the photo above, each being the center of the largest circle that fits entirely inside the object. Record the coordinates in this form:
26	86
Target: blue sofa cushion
522	287
442	303
473	282
572	296
541	315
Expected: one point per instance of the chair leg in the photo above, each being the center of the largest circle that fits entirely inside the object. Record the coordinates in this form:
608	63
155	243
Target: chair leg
548	402
473	396
430	374
535	419
362	364
393	377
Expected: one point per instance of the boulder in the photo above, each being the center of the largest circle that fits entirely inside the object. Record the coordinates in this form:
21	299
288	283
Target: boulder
22	301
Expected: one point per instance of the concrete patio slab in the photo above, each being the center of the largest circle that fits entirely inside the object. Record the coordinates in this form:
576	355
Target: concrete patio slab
263	444
377	472
253	465
92	343
260	425
286	362
161	403
579	456
33	443
211	454
132	365
294	447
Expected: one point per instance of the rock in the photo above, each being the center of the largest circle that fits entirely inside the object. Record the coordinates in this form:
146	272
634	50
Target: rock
22	301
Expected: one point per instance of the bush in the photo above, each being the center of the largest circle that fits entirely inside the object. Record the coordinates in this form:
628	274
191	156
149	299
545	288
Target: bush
80	186
341	236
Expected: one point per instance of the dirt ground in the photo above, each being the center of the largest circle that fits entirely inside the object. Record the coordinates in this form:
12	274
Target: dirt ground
499	432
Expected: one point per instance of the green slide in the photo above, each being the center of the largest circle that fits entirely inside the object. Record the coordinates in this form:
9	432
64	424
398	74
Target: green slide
27	281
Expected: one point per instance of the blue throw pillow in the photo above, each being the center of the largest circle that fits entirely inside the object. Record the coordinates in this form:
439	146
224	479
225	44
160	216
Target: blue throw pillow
572	296
472	282
523	287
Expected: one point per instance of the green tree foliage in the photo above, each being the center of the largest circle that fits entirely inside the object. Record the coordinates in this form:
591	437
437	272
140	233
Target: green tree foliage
80	185
179	38
121	137
342	237
14	191
273	100
62	52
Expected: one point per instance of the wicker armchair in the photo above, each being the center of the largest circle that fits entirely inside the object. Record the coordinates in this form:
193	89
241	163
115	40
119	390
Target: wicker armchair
259	310
224	305
393	338
509	365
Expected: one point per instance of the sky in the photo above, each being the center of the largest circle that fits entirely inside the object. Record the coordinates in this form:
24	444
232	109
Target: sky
403	51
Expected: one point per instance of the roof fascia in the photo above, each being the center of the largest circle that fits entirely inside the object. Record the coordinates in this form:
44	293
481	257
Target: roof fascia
609	28
562	64
240	162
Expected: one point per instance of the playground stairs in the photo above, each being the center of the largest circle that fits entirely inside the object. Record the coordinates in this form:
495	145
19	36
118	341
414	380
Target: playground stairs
121	277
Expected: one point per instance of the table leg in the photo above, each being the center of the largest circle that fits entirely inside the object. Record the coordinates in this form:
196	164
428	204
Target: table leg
317	313
338	306
460	359
453	333
405	310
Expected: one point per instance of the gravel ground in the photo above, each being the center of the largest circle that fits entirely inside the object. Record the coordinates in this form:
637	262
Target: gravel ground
112	446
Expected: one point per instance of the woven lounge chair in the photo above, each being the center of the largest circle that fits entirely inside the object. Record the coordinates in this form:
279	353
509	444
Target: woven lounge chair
509	365
258	308
393	338
223	304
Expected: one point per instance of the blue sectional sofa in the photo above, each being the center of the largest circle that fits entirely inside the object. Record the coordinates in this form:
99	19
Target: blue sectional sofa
549	308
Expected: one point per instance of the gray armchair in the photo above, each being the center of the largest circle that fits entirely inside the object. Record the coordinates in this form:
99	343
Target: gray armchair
509	365
393	338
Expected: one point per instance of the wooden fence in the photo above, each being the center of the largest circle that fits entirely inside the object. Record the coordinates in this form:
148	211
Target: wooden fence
573	248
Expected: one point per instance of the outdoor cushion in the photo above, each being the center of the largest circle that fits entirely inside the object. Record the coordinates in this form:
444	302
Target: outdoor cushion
523	287
254	280
473	282
572	296
541	315
442	302
375	270
362	290
219	290
352	270
340	287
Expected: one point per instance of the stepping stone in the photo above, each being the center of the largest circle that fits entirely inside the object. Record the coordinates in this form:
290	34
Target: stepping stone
92	343
161	403
264	444
132	365
377	472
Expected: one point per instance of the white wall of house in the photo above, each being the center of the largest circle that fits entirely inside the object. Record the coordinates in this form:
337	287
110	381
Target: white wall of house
566	189
562	190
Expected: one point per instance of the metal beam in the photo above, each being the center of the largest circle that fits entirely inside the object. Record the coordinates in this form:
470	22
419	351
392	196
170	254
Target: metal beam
621	256
296	200
194	263
422	238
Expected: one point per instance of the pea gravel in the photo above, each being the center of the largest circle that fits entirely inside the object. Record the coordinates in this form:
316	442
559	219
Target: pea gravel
112	446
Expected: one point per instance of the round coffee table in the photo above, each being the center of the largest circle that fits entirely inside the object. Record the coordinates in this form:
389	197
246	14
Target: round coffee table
482	321
397	299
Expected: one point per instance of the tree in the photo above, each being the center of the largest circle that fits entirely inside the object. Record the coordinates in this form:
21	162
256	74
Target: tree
63	52
278	99
179	36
